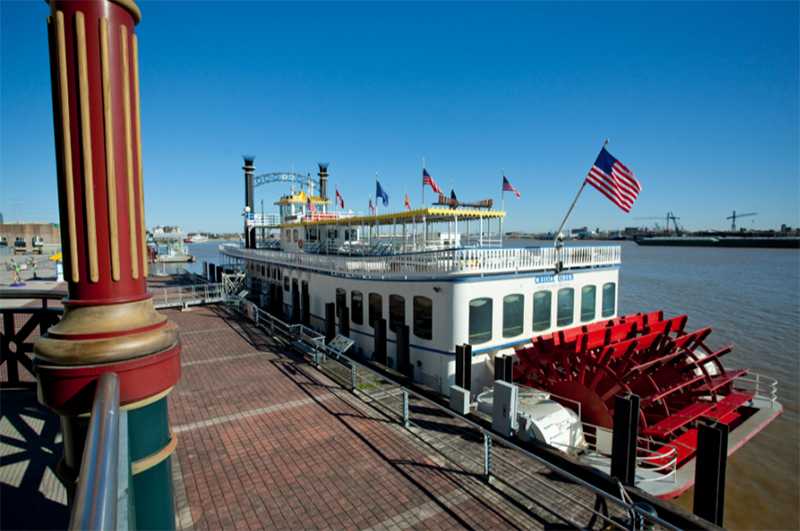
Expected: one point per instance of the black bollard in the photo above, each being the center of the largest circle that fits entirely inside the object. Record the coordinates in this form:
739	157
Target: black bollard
344	322
306	308
623	443
330	321
403	354
205	269
464	366
219	275
380	340
279	302
212	272
503	366
295	305
710	472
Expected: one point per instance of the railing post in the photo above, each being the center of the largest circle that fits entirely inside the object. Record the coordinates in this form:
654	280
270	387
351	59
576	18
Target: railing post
487	456
405	408
353	377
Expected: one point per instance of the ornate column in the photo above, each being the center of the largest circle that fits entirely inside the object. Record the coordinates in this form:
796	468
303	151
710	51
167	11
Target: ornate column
109	322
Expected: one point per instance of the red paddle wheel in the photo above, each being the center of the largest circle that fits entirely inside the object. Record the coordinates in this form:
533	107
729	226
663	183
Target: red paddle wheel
677	377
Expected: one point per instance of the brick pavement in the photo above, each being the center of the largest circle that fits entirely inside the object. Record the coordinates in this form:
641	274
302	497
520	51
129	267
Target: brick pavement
267	442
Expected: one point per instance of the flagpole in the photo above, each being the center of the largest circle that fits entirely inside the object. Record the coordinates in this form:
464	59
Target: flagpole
502	206
558	232
423	182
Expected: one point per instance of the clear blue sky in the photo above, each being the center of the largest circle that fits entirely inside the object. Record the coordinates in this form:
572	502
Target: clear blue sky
700	100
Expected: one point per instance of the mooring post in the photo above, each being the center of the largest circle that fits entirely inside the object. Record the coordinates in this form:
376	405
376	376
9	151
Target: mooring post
330	322
711	471
295	305
344	321
109	323
205	269
624	438
380	340
403	350
306	318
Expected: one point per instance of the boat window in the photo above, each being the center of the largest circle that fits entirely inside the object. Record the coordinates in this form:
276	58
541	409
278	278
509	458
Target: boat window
375	308
609	299
341	301
304	286
542	310
347	235
276	274
588	300
312	235
286	283
566	306
263	271
423	317
294	235
513	308
397	312
288	235
480	321
357	307
330	234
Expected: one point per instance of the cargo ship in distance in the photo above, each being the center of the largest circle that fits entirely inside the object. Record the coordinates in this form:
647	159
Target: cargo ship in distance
776	242
410	286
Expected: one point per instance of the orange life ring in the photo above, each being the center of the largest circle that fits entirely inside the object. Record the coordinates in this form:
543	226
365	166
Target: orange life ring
300	243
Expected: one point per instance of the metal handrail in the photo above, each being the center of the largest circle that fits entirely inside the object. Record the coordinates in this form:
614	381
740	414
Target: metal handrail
95	504
312	337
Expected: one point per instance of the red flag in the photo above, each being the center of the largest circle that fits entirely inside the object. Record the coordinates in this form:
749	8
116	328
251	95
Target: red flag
371	207
339	198
407	203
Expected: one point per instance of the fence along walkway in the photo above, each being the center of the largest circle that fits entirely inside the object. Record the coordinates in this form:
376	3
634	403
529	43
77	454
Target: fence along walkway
545	489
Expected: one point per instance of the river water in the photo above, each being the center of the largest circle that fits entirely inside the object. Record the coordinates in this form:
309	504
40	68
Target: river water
751	297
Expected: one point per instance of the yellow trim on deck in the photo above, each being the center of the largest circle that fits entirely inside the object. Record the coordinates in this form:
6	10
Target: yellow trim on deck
432	215
301	198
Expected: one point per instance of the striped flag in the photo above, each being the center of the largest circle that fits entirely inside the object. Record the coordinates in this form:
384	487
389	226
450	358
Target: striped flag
614	181
311	207
371	207
508	188
408	205
427	179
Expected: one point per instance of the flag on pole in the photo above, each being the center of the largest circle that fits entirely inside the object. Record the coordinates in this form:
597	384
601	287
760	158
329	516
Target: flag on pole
614	181
310	205
453	195
427	179
408	205
371	207
339	198
508	188
379	192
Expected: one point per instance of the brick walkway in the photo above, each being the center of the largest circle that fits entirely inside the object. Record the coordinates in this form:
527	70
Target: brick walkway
265	441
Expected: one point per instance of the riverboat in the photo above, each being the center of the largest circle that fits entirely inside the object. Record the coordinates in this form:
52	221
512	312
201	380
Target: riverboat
410	286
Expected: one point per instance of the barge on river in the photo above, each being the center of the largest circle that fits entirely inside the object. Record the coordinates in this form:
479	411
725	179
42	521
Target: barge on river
423	281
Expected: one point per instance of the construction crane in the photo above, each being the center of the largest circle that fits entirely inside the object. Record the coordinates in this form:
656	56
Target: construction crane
670	215
735	215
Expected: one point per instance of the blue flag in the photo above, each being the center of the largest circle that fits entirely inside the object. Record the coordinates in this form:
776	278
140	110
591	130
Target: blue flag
379	192
453	195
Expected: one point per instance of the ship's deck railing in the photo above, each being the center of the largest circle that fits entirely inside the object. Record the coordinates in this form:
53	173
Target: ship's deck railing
496	457
451	262
763	387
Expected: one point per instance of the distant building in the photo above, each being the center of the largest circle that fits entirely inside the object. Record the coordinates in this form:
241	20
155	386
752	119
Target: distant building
578	231
48	232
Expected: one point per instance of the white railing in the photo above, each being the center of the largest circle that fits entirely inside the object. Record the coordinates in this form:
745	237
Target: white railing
263	219
453	262
763	387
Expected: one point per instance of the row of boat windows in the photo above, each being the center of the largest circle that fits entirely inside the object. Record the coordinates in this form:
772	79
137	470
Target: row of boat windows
314	234
423	311
481	311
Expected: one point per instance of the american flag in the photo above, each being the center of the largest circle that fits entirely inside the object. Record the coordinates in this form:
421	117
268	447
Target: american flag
311	206
614	181
508	188
339	198
427	179
371	207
